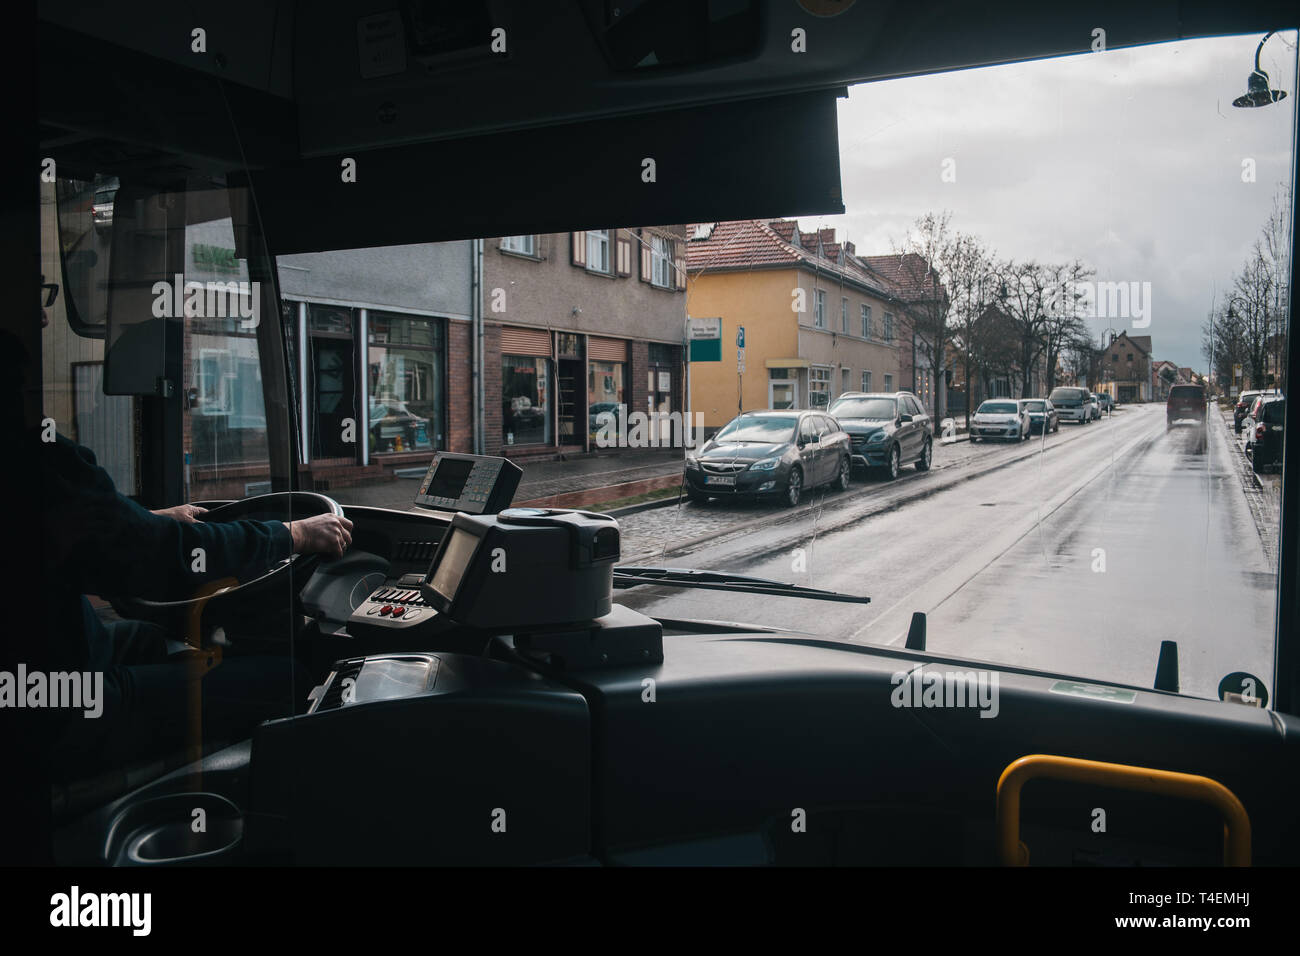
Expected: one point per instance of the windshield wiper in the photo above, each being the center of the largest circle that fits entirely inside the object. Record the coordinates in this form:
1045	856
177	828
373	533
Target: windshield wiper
630	577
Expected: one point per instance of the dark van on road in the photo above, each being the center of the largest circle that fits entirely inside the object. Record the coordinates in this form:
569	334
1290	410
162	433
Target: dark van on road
1072	404
1185	402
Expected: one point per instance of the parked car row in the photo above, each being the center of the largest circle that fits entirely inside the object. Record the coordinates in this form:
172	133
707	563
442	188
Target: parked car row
783	453
1263	427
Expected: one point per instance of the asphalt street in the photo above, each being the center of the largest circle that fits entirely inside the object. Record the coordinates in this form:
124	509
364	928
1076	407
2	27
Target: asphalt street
1077	553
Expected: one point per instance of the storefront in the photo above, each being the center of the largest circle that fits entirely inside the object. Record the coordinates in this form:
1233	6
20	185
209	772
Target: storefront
526	406
557	390
374	387
607	378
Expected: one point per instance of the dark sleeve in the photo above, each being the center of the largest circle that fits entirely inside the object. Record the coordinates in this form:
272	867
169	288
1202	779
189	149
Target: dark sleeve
104	543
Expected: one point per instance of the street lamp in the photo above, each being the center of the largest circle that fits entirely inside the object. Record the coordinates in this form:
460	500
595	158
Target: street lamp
1257	88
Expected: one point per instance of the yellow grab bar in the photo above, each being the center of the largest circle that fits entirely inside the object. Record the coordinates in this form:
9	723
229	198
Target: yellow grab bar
1182	786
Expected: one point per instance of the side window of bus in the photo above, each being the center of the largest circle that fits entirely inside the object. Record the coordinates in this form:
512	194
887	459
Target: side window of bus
76	242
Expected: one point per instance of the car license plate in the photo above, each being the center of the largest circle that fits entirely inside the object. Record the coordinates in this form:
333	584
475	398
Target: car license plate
720	480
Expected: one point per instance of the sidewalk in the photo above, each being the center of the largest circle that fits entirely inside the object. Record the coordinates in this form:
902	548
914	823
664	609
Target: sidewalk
579	482
594	479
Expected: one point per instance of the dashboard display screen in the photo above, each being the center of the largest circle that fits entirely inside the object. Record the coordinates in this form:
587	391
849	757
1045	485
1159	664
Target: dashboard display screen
448	480
456	557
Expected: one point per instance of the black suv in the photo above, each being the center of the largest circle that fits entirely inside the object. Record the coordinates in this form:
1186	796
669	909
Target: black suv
887	430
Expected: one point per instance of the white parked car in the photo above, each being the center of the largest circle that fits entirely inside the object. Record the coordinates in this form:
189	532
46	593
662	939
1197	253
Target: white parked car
1004	418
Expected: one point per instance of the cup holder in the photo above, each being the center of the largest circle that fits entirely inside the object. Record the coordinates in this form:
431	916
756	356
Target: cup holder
162	831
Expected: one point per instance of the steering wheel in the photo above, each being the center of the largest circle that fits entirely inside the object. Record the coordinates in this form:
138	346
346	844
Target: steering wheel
231	600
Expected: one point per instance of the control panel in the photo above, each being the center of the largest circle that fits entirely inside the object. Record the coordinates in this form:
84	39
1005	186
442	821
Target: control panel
395	604
473	484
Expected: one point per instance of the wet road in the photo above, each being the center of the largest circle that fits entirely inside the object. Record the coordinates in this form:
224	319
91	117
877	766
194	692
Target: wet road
1077	555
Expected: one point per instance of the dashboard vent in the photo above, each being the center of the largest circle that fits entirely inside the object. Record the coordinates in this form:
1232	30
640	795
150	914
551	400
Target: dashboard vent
415	550
333	698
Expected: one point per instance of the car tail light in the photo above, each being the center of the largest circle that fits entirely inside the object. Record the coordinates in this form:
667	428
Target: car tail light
1259	432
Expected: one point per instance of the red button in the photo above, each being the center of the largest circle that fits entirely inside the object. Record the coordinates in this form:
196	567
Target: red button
386	609
398	611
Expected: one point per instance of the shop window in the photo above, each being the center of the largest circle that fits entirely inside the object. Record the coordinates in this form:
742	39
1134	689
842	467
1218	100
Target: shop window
525	400
405	376
604	390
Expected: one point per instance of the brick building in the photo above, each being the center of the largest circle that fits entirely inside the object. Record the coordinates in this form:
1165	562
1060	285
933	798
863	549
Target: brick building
575	326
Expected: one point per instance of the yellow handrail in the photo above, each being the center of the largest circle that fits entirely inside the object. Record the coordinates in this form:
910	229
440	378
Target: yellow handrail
1183	786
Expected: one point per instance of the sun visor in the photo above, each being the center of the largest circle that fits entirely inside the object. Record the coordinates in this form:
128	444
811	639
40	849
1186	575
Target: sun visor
740	160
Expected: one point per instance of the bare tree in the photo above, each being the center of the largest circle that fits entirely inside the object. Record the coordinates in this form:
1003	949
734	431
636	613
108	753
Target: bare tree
973	285
924	263
1026	304
1063	323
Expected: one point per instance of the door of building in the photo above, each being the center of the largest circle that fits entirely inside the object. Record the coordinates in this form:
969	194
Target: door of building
333	390
782	393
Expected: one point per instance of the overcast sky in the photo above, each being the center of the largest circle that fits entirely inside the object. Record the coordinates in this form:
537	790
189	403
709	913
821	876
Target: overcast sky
1130	160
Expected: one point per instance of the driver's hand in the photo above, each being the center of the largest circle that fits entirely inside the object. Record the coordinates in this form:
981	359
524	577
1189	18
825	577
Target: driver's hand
323	534
186	513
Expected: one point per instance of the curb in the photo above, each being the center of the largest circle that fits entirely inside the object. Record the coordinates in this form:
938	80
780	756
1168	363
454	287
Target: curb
643	506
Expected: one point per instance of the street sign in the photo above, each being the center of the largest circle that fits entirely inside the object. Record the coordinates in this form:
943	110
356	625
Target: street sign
705	339
740	360
740	337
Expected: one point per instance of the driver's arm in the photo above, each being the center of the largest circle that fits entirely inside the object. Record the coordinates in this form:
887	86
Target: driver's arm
107	544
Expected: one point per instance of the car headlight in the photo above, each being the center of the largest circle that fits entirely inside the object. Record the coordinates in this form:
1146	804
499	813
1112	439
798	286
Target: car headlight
876	438
767	464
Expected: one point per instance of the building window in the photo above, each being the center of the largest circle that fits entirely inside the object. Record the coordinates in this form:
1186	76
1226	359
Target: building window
889	327
604	392
598	250
819	386
1114	356
866	381
819	309
661	262
523	245
889	382
844	315
866	321
846	375
1130	356
404	371
525	400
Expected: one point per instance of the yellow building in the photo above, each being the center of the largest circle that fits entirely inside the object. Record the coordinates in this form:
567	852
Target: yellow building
818	321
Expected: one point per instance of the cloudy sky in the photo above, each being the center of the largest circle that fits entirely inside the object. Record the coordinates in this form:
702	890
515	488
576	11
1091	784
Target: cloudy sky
1130	160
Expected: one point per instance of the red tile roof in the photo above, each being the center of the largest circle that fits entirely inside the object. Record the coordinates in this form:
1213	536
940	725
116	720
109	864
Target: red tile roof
908	271
751	243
